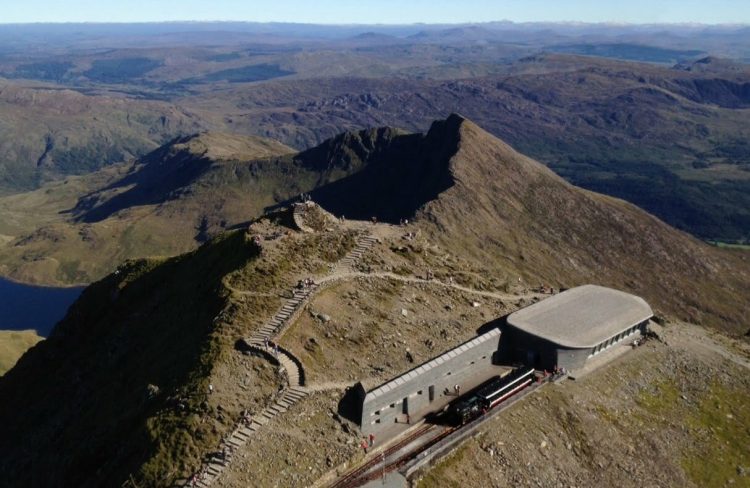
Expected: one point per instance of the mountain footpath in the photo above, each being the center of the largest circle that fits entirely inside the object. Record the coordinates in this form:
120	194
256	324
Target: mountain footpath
149	374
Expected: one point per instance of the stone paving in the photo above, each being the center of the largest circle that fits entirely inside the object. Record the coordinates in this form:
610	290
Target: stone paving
263	341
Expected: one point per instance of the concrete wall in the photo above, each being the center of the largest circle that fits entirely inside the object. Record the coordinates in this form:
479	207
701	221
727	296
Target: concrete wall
518	346
429	387
571	359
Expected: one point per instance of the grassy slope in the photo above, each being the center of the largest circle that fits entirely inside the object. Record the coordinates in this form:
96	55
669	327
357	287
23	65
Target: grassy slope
40	244
516	216
49	132
13	344
170	323
150	324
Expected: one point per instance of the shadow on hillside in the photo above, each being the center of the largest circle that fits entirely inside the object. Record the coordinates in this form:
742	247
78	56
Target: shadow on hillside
350	405
390	180
161	175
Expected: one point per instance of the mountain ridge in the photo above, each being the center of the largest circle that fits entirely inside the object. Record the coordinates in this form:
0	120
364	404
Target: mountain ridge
149	353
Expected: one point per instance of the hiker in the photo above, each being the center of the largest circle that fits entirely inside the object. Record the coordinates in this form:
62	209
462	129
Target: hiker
276	350
457	389
265	342
210	389
364	445
372	440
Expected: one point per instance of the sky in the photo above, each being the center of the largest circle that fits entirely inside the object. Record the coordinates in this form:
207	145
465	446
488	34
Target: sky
377	11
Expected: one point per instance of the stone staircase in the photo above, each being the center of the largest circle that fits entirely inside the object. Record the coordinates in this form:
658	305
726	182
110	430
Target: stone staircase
242	435
282	318
346	264
296	390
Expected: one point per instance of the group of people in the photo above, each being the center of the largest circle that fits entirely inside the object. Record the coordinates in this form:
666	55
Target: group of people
267	344
306	283
367	442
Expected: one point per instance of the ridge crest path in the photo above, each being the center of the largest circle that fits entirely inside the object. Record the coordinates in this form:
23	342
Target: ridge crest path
296	391
273	328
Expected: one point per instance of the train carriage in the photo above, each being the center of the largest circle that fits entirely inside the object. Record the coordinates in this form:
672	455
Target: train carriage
488	395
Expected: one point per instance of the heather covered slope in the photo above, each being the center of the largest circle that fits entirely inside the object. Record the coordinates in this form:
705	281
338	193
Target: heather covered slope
514	214
176	197
119	395
48	132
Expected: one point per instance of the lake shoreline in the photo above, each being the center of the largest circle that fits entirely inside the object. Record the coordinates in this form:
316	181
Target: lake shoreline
42	285
34	307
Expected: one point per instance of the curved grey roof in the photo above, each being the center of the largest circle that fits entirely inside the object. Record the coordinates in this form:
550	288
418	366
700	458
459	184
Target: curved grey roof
582	317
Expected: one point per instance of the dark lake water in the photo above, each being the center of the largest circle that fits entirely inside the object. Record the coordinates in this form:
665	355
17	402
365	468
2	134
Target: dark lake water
25	307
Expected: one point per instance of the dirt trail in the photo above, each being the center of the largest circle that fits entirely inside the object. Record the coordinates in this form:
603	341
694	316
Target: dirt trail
414	279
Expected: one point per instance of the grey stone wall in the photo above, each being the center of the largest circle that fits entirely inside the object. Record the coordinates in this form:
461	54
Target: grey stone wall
571	359
430	386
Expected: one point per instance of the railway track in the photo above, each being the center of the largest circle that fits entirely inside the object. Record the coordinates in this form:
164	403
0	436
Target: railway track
359	475
368	472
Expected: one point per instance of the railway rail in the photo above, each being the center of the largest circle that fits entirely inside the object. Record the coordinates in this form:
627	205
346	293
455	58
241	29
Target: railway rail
380	465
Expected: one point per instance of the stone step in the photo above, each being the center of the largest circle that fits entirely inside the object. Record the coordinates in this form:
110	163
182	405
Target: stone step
234	443
239	434
245	431
276	410
268	415
292	396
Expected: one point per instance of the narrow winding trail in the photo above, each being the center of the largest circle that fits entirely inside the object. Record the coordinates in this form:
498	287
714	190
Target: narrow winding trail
264	342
